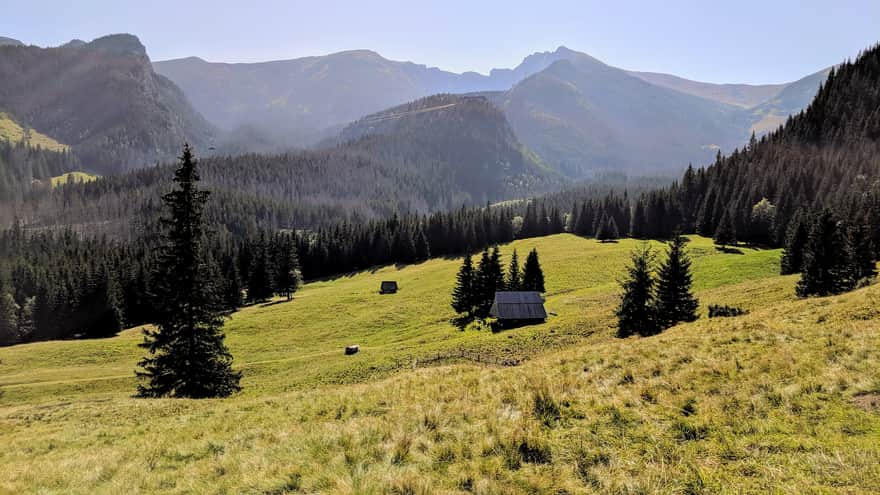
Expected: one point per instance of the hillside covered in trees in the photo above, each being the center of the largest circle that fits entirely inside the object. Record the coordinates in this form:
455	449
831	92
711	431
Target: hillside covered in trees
102	99
435	154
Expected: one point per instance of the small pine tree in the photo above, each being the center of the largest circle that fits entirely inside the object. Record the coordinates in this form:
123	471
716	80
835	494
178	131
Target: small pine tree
725	235
187	355
825	269
533	276
795	240
463	292
636	312
675	299
514	277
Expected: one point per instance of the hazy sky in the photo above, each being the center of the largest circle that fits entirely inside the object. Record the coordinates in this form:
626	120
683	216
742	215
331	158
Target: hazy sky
718	41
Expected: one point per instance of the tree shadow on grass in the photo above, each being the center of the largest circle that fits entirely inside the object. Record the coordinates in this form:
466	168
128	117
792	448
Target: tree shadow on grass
273	303
729	250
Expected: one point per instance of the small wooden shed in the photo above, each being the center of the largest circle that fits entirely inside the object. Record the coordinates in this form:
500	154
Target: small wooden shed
388	287
518	307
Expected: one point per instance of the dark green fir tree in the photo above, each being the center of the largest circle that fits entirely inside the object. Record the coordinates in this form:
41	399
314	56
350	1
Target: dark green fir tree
826	269
636	312
675	298
514	276
187	356
463	292
533	275
795	240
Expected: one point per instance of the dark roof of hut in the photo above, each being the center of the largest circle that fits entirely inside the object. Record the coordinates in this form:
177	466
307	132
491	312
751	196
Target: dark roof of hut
518	305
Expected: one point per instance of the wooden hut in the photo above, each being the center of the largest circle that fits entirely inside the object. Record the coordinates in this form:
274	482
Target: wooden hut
518	307
388	287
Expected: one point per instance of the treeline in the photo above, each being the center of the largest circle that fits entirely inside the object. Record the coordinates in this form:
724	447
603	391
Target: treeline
826	156
833	255
60	285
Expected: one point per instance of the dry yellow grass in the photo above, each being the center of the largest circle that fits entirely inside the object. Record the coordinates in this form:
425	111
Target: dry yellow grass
755	404
10	130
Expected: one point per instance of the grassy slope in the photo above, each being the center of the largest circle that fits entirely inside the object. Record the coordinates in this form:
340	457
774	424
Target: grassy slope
770	391
62	179
10	130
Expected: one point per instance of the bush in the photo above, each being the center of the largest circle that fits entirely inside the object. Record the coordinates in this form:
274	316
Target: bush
717	311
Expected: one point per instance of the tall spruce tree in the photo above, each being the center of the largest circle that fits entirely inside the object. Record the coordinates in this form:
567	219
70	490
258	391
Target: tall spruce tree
490	278
533	275
826	268
514	276
795	240
464	290
636	312
675	299
187	355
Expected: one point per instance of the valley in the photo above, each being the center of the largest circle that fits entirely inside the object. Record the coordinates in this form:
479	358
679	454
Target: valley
348	272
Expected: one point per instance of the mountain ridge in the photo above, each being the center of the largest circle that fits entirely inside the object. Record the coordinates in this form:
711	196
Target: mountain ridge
308	99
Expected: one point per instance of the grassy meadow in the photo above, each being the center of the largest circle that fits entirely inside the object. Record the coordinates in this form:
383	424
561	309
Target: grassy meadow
770	402
75	177
10	130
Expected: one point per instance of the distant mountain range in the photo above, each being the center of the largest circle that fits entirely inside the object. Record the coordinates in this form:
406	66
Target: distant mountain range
305	97
100	98
118	111
577	113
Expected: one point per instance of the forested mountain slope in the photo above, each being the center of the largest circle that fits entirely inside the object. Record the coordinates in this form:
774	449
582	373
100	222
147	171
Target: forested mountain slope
434	154
826	156
102	99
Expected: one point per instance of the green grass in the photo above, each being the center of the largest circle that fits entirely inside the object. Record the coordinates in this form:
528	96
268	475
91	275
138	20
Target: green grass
758	403
10	130
63	179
